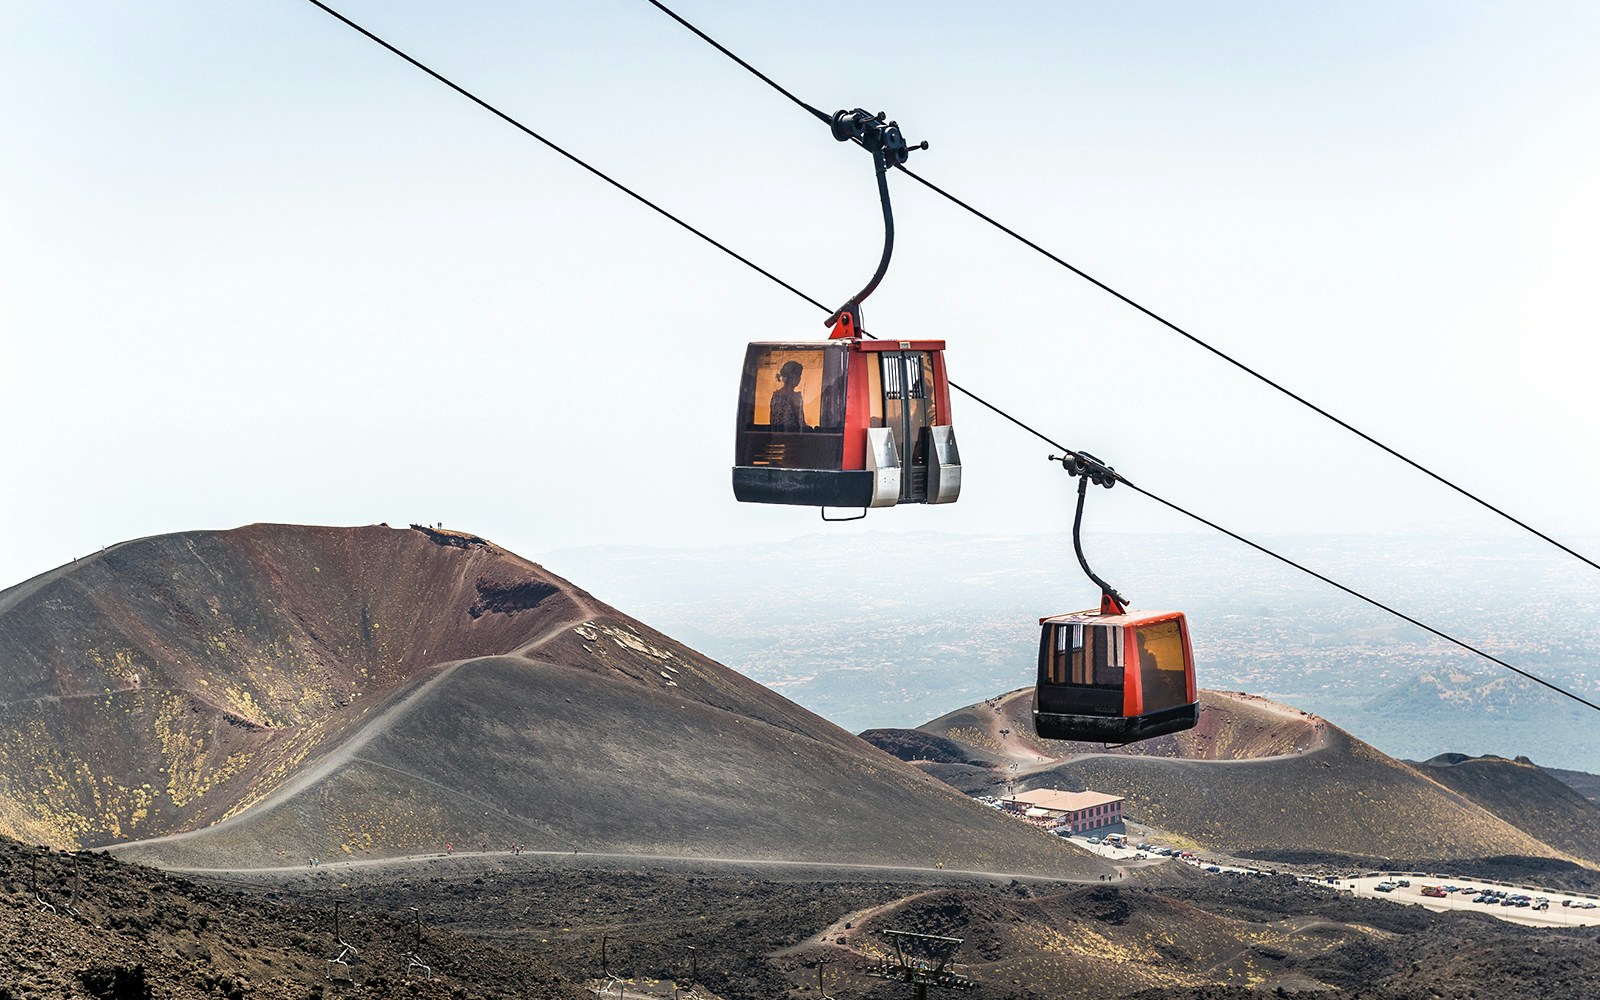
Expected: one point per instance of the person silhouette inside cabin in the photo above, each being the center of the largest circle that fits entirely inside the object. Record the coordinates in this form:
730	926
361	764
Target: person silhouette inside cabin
788	407
1147	659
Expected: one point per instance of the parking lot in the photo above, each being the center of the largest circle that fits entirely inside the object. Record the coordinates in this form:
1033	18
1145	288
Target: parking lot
1561	909
1130	853
1556	915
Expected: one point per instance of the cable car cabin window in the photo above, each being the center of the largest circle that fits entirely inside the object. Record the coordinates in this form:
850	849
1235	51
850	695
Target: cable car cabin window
1089	655
875	394
924	385
1161	665
791	407
1081	672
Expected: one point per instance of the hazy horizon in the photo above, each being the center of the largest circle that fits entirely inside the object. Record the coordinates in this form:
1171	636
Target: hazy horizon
942	621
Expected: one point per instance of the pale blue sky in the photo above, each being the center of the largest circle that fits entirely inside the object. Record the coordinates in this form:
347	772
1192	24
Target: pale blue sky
253	268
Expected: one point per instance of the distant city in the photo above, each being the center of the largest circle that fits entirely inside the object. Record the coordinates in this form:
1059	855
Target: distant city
895	629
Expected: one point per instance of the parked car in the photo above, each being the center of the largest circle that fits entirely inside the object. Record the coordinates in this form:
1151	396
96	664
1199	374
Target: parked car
1403	883
1213	868
1385	887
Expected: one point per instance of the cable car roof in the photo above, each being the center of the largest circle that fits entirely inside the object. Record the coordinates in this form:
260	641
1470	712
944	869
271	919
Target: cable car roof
856	344
1094	617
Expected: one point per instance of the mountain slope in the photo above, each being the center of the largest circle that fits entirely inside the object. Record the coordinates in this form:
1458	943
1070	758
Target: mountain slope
157	685
256	697
1252	778
1527	797
1582	782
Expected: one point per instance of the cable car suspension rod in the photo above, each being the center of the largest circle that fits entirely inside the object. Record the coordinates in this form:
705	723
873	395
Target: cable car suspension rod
888	147
1090	469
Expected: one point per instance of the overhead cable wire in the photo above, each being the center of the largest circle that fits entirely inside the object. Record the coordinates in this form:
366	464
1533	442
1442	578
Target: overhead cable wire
1218	352
1014	420
1358	594
485	105
1248	370
769	81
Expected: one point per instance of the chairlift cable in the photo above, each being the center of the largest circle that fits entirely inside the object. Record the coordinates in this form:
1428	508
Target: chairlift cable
1154	315
1019	423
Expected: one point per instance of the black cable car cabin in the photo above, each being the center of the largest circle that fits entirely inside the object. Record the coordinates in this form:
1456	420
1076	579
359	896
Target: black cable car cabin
847	422
1114	676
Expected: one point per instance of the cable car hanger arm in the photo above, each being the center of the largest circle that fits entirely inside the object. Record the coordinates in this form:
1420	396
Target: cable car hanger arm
1088	468
889	149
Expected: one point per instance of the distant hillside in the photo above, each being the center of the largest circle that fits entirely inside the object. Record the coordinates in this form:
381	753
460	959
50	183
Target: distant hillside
253	697
845	650
1527	797
1252	778
1582	782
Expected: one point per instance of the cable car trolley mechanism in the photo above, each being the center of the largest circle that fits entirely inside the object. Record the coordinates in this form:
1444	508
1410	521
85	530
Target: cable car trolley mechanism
1112	675
849	421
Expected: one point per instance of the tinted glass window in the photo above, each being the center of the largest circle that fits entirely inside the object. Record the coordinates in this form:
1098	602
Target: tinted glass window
791	407
925	386
1162	670
1085	655
786	388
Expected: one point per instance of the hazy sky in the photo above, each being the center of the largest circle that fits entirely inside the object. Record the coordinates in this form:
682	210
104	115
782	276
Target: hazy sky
254	268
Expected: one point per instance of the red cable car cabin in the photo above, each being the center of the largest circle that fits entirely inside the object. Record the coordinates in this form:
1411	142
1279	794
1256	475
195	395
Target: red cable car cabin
845	423
1114	676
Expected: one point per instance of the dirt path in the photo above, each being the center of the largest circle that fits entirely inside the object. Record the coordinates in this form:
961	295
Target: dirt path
831	934
585	609
822	867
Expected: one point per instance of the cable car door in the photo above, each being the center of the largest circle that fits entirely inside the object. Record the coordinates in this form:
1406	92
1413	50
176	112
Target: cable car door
904	393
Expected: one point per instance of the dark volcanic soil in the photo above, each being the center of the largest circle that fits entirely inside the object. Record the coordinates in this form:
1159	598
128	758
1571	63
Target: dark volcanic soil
754	931
524	926
130	933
